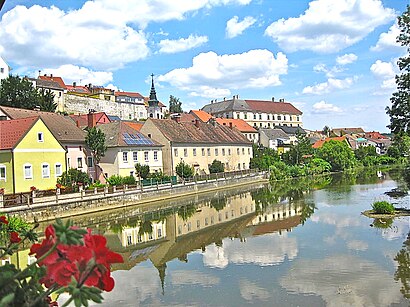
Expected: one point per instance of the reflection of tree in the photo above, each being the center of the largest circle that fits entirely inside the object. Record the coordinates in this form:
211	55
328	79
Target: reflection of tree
383	223
403	269
145	227
186	212
218	203
307	210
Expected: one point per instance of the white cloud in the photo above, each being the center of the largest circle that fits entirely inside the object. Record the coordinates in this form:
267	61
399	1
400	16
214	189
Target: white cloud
324	107
357	245
211	73
193	277
330	72
81	75
385	71
330	85
388	39
346	59
182	44
251	292
235	28
101	34
330	25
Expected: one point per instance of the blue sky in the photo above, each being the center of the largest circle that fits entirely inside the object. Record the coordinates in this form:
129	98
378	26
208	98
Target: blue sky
333	59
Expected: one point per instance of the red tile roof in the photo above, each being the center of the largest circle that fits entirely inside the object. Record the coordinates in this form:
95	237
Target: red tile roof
375	135
239	124
82	119
272	107
12	131
320	143
129	94
59	80
78	89
202	115
134	125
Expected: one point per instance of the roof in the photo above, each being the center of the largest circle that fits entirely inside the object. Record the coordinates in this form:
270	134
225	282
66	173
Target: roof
82	119
239	124
274	134
199	132
342	131
113	117
375	135
59	80
291	130
129	94
251	106
47	84
320	143
134	125
201	115
12	131
78	89
62	127
120	134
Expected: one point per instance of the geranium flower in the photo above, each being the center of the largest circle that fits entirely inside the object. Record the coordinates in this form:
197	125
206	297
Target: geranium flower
3	220
14	237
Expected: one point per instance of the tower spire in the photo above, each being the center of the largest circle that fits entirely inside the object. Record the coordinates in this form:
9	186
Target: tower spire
153	93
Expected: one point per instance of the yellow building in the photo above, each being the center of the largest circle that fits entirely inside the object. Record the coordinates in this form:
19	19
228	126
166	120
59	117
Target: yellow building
29	155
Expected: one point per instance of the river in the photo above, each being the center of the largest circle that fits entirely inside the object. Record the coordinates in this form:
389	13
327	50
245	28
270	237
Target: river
296	243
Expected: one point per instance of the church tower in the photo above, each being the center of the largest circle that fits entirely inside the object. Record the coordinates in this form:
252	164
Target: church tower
154	110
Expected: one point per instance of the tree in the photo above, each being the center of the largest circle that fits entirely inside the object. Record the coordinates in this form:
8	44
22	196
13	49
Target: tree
142	170
46	101
263	158
174	105
216	167
338	154
400	146
18	92
95	140
399	111
295	155
326	130
72	177
184	170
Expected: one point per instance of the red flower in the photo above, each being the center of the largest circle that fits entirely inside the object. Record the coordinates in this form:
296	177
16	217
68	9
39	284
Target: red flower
33	188
3	220
14	237
2	191
59	185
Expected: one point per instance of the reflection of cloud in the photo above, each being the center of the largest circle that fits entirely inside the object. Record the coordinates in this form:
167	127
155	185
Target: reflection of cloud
399	229
343	281
179	278
133	287
251	291
336	219
357	245
255	250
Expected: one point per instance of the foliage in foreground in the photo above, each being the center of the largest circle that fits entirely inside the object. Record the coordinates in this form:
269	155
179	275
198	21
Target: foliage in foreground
69	260
383	207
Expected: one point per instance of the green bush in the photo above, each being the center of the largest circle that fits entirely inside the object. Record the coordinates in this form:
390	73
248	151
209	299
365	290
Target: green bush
216	167
115	180
130	180
383	207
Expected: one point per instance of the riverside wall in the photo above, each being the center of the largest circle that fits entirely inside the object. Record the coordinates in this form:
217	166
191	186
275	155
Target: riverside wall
76	204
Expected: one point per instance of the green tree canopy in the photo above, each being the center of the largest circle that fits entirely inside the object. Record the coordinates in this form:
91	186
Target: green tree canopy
295	155
95	140
399	111
46	101
338	154
142	170
216	167
174	105
263	158
184	170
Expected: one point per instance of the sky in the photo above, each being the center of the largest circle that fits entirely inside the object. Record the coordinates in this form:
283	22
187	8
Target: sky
335	60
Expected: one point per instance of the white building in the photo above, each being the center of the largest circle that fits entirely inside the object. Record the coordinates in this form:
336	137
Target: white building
4	69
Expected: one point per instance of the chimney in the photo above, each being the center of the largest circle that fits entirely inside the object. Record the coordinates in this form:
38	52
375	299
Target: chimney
273	99
224	98
91	120
281	100
233	97
230	125
74	84
176	118
197	122
51	75
77	123
237	96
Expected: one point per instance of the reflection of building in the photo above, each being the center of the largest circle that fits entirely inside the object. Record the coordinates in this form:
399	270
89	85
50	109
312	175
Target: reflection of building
137	235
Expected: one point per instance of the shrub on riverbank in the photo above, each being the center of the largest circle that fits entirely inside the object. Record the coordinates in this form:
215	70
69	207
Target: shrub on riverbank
383	207
280	170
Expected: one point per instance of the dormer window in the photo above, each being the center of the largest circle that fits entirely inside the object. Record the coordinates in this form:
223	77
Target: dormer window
40	137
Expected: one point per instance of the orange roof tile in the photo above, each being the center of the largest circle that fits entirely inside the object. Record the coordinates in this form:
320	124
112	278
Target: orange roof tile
134	125
11	131
59	80
239	124
320	143
201	115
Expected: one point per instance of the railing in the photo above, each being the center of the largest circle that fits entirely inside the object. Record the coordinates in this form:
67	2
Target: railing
55	196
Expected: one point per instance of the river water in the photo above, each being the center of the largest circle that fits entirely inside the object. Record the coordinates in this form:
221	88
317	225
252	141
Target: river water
299	243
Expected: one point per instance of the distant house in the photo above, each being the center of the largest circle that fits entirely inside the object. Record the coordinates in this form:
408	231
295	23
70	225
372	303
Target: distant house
91	119
4	69
52	86
274	139
199	144
137	100
352	131
292	132
257	113
126	147
247	130
320	143
30	155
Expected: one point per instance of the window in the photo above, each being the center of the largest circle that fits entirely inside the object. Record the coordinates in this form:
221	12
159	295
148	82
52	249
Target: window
40	137
2	70
237	151
239	166
155	155
59	169
249	151
129	240
208	151
194	152
189	226
135	156
198	224
139	238
45	170
268	117
28	171
216	151
260	116
243	151
237	116
159	232
146	156
206	221
79	162
125	157
179	229
279	117
229	151
245	116
90	162
223	151
203	152
185	152
297	118
244	166
254	116
2	172
176	152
